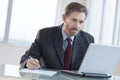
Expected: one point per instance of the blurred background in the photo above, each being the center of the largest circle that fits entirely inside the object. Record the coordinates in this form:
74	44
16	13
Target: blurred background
20	21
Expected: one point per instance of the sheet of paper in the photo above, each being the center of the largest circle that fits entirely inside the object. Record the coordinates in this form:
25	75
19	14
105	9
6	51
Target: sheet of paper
40	72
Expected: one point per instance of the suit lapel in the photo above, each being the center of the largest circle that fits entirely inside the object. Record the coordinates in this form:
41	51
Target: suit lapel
58	44
77	48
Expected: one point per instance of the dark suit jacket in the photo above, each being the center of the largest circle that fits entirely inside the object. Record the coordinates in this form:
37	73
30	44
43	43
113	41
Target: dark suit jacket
48	46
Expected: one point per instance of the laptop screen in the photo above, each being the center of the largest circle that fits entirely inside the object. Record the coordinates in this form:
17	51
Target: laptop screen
101	59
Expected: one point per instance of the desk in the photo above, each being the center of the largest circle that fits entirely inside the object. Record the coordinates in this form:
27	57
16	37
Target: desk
12	71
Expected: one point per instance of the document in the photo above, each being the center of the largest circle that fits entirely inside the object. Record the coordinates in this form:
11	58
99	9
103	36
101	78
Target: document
39	72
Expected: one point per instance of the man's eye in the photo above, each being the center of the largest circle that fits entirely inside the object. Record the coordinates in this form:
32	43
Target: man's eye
81	22
74	20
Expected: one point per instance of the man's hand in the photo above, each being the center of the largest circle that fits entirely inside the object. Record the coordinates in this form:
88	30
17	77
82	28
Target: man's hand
32	63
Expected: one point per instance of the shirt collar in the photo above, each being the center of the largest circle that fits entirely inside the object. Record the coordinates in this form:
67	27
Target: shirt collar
65	36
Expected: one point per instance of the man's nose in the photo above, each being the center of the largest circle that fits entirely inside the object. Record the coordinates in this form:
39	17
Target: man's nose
77	24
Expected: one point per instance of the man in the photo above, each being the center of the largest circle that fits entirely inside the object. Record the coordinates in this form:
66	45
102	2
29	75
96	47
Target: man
60	47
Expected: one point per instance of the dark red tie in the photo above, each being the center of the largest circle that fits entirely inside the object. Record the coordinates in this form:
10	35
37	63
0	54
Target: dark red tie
68	55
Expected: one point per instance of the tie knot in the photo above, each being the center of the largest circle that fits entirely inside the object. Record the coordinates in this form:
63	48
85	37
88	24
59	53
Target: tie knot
69	39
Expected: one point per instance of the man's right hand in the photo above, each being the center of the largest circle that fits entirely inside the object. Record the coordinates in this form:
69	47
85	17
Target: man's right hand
32	63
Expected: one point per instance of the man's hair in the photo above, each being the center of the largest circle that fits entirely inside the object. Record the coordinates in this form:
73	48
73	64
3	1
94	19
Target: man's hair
73	7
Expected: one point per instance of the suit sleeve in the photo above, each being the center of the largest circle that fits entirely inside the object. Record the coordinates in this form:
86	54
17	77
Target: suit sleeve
34	51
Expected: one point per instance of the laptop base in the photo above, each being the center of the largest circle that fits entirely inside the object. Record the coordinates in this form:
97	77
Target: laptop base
85	74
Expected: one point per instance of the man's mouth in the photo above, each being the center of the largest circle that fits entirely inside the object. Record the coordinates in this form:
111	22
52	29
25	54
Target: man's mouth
74	29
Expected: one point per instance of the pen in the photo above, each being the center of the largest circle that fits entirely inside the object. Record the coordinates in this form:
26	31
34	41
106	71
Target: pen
31	58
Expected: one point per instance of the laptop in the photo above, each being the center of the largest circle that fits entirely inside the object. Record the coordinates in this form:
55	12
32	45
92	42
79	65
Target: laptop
99	61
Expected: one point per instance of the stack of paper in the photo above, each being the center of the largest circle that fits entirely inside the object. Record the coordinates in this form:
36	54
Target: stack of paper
39	72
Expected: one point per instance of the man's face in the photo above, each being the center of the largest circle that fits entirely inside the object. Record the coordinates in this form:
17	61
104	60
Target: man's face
73	23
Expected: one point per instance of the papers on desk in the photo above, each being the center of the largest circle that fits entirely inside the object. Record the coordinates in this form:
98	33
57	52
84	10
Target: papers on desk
39	72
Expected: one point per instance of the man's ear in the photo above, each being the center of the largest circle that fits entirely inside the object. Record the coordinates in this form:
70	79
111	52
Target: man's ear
63	17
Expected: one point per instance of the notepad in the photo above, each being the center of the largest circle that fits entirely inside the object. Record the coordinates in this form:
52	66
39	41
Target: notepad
39	72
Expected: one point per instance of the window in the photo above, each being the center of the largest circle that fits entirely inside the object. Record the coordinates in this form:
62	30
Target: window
3	14
104	21
28	16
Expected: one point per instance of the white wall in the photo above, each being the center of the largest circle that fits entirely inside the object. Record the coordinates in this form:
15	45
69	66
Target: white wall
11	54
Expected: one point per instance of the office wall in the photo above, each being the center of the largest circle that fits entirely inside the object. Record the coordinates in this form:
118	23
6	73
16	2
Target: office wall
11	54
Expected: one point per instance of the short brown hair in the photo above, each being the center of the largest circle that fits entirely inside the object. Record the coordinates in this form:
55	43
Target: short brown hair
75	6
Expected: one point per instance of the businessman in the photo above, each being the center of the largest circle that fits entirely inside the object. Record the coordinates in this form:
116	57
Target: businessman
63	46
